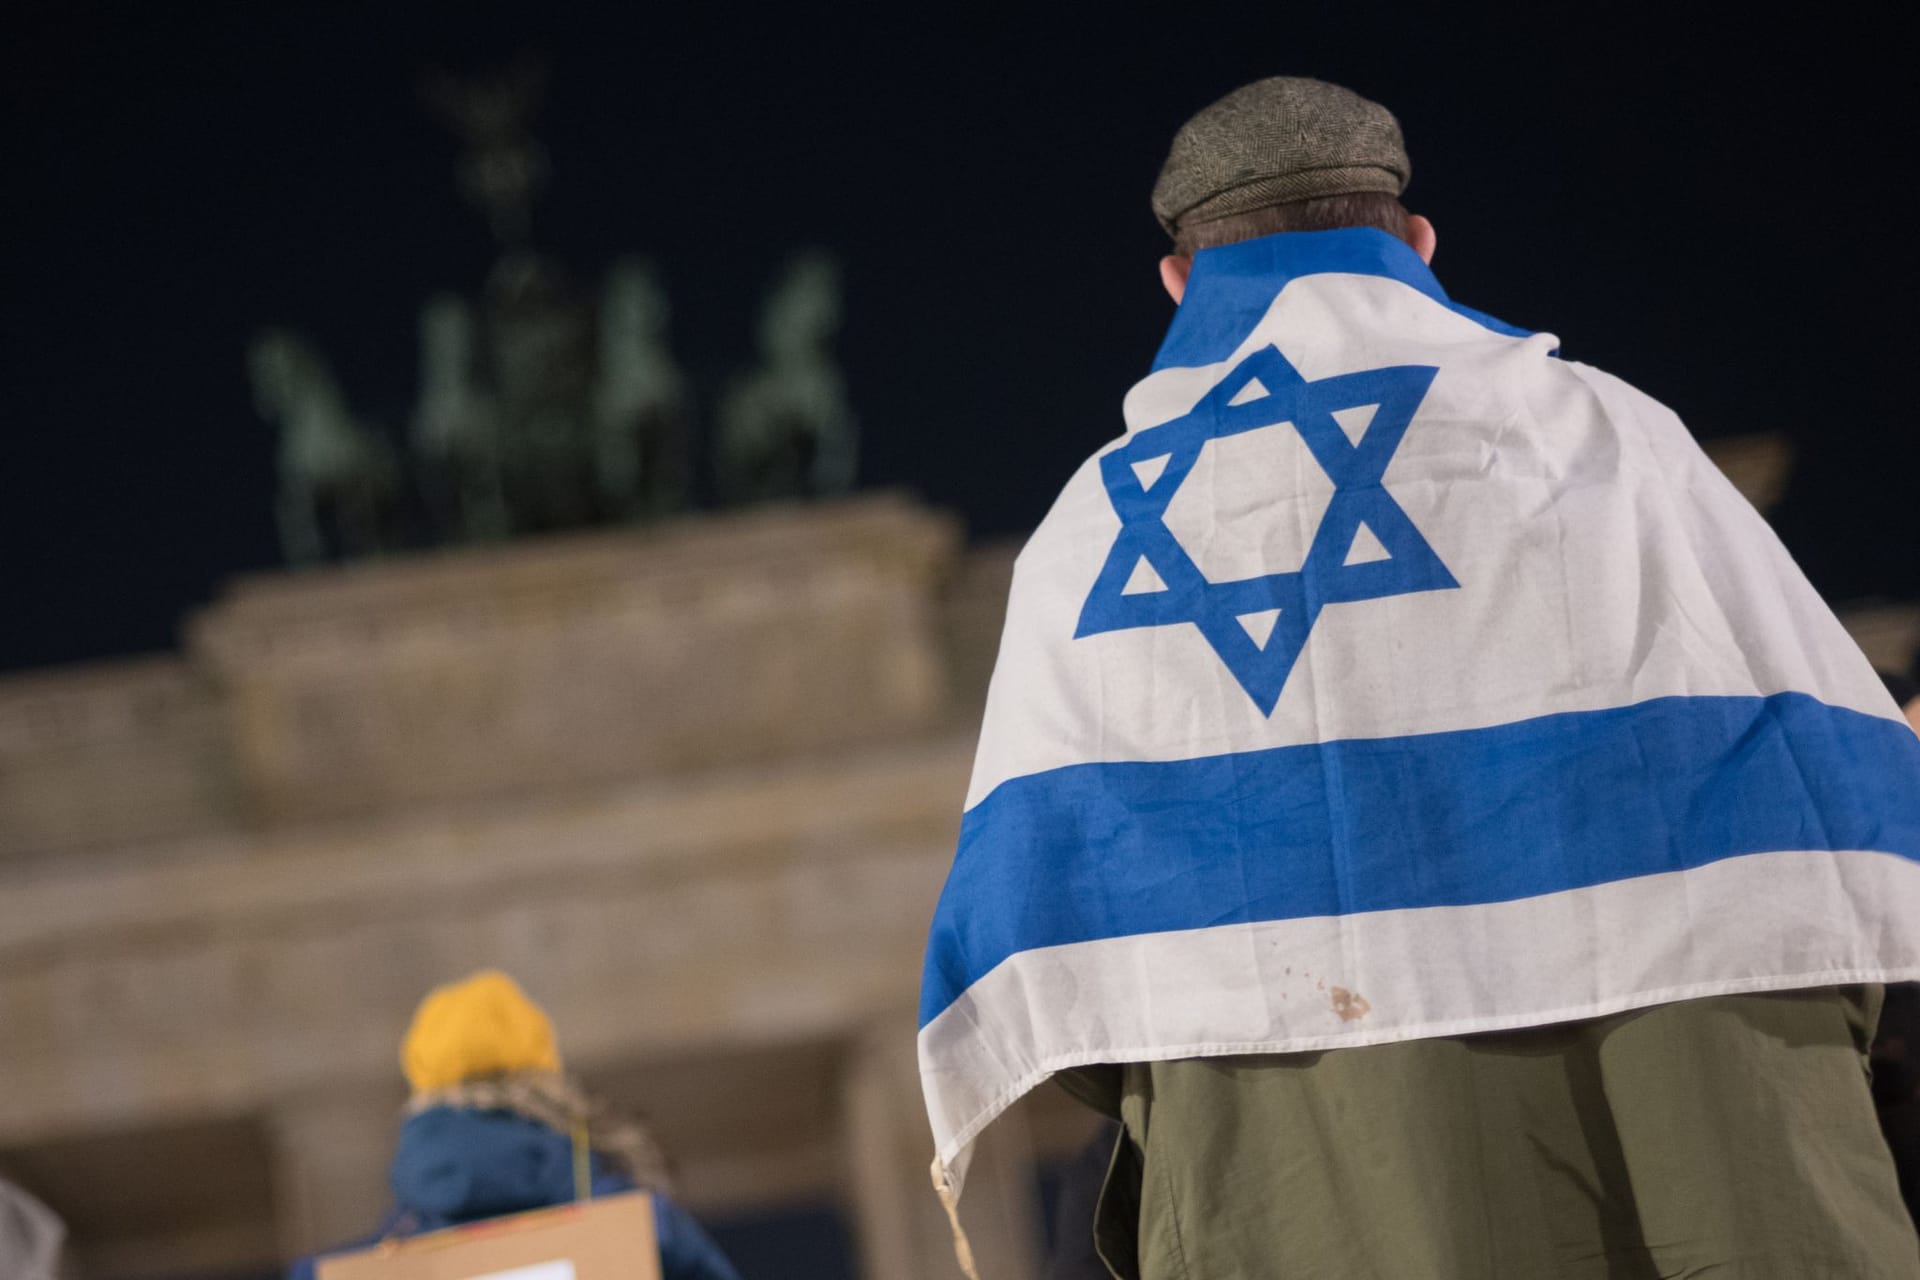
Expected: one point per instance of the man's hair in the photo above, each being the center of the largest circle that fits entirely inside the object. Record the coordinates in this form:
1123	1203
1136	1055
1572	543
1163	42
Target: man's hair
1327	213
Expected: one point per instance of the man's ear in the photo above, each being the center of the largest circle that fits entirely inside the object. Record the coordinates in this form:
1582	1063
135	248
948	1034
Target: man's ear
1174	269
1422	236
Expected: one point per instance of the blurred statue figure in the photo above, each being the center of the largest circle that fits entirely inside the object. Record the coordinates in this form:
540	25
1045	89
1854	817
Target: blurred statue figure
335	473
456	427
504	168
640	401
541	342
785	428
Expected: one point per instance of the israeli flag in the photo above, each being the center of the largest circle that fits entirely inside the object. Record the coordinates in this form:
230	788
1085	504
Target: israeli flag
1393	677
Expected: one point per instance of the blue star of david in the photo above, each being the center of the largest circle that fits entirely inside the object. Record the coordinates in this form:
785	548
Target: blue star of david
1330	575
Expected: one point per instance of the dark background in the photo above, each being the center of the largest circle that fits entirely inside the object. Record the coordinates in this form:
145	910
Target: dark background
1715	211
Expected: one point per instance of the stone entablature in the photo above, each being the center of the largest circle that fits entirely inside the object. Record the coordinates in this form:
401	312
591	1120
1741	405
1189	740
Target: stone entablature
698	754
752	905
561	662
1889	634
582	659
122	752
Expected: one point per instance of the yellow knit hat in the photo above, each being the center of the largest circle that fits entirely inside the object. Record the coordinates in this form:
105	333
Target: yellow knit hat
481	1026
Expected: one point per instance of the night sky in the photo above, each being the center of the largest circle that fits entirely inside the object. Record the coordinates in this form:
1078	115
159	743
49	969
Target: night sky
1716	213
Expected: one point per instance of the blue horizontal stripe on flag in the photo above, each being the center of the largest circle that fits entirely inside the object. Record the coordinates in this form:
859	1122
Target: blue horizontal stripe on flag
1232	287
1443	819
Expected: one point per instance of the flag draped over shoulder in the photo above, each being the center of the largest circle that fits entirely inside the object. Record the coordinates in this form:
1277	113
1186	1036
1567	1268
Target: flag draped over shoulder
1394	677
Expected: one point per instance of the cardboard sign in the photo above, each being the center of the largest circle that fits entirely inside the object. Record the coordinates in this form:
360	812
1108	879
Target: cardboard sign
606	1239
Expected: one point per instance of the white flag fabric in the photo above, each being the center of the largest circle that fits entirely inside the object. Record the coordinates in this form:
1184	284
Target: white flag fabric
1394	677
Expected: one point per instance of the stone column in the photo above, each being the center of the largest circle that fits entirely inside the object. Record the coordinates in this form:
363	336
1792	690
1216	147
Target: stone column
898	1221
330	1155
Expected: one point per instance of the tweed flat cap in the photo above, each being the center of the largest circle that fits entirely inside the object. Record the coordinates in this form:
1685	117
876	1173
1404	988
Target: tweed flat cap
1275	141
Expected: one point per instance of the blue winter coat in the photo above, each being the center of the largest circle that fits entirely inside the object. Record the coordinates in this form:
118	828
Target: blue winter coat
454	1166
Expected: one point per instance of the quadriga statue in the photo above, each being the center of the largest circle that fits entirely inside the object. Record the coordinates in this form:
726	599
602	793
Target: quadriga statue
339	482
785	429
640	403
456	427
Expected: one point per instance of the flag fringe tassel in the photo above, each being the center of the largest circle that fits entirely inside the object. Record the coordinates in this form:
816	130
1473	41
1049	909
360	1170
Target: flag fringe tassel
962	1251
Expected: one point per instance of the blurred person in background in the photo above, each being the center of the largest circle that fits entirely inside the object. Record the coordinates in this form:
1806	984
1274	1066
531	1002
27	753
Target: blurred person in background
31	1237
490	1130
